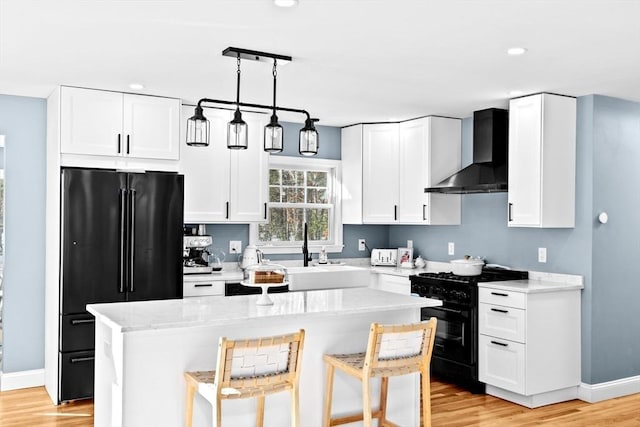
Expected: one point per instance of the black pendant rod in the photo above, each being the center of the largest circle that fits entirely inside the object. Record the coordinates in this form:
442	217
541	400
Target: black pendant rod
245	104
238	86
275	73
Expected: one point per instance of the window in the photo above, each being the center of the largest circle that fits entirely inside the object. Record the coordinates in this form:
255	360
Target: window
301	190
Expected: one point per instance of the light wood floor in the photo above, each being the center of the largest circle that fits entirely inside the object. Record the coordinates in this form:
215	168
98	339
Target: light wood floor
451	407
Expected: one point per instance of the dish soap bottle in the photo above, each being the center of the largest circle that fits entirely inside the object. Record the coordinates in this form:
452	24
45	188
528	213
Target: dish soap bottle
322	259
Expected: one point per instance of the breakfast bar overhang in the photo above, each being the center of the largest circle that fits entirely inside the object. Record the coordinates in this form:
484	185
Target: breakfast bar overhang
143	349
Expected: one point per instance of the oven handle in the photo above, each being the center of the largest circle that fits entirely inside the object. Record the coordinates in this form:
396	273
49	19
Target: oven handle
448	310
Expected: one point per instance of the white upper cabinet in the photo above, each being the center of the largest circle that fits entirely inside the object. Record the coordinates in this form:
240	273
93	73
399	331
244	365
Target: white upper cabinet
222	185
387	166
380	177
103	123
542	161
429	152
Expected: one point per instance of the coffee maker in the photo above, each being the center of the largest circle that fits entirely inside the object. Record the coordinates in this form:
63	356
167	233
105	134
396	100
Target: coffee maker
195	257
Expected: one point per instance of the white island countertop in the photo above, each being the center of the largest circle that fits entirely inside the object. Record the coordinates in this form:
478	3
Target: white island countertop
145	347
206	311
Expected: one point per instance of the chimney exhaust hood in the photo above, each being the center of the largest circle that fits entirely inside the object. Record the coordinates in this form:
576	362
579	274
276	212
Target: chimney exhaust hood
488	172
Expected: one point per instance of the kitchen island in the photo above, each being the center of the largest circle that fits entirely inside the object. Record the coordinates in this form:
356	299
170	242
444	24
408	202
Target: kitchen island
143	348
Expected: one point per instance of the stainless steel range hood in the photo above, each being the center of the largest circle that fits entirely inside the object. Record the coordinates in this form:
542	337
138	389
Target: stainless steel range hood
488	172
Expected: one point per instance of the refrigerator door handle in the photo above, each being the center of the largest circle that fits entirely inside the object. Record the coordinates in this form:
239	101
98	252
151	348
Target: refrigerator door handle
123	219
132	203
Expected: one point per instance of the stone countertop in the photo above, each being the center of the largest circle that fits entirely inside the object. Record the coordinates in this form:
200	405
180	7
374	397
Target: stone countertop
539	282
204	311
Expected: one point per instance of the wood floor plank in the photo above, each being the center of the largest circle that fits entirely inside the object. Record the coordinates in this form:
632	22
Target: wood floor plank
451	407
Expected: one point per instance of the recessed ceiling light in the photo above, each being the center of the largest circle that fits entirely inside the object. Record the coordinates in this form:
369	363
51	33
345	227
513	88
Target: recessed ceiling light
136	86
516	51
285	3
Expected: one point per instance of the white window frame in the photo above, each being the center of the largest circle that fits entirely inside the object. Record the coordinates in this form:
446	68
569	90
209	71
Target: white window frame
334	167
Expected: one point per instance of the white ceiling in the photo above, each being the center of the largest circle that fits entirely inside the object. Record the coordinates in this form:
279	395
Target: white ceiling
353	60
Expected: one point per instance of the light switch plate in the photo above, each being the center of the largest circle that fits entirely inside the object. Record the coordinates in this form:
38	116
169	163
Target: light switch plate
451	248
542	254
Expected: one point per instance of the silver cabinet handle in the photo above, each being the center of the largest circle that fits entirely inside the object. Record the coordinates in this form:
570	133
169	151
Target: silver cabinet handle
82	359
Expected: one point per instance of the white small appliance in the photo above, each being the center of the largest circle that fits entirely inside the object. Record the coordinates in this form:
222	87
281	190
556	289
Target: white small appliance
384	257
251	256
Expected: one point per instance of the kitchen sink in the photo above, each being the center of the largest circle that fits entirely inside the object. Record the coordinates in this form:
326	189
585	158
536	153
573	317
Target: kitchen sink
327	277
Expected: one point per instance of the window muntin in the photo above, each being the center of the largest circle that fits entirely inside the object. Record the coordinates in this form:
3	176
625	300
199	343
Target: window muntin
301	190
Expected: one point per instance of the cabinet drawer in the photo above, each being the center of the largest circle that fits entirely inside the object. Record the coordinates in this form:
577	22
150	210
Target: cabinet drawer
76	332
504	298
76	375
203	288
501	363
502	322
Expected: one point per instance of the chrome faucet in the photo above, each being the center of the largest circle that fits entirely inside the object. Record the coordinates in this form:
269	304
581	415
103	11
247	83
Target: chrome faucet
306	256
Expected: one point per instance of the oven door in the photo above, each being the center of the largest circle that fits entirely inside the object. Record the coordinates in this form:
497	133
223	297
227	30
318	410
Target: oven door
453	335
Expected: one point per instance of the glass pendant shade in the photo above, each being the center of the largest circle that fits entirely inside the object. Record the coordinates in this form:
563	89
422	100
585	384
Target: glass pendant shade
308	145
237	133
273	136
198	129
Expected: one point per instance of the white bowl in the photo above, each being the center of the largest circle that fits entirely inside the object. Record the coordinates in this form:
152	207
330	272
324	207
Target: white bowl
466	267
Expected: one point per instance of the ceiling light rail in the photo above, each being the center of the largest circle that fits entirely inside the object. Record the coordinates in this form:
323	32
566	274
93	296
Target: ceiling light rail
198	127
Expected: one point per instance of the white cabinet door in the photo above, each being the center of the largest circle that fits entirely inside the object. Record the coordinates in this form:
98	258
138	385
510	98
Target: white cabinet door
542	158
501	363
249	171
91	122
414	171
206	170
351	150
380	147
103	123
429	152
525	139
151	127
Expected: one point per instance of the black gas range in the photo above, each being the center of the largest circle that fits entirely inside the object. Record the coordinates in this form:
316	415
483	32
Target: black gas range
455	353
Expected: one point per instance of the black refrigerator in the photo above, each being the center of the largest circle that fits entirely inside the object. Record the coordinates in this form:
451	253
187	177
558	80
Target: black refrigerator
121	241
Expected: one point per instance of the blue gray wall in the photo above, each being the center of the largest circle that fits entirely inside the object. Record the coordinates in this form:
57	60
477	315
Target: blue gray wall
23	122
608	153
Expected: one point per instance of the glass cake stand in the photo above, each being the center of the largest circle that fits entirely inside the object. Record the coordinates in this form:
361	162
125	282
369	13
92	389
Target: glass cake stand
265	276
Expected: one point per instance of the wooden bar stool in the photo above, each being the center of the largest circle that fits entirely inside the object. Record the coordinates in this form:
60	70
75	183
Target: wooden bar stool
250	368
392	350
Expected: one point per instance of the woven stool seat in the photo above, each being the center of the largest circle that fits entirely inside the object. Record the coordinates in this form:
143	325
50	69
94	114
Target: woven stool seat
250	368
393	350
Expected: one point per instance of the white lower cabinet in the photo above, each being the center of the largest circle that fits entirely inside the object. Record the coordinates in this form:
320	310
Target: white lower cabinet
529	344
200	287
392	283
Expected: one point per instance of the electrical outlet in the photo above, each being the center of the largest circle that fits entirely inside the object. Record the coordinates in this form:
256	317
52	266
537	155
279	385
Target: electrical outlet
410	244
451	248
235	246
542	254
362	246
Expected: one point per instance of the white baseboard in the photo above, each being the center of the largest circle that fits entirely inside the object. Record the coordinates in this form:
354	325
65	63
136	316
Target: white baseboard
597	392
22	379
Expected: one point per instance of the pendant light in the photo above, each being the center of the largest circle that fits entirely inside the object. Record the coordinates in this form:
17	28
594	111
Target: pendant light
237	136
237	132
198	129
273	131
308	143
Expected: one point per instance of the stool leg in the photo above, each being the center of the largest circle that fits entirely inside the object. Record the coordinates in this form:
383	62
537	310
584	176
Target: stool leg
295	407
426	398
328	395
188	410
260	412
384	386
217	412
366	403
